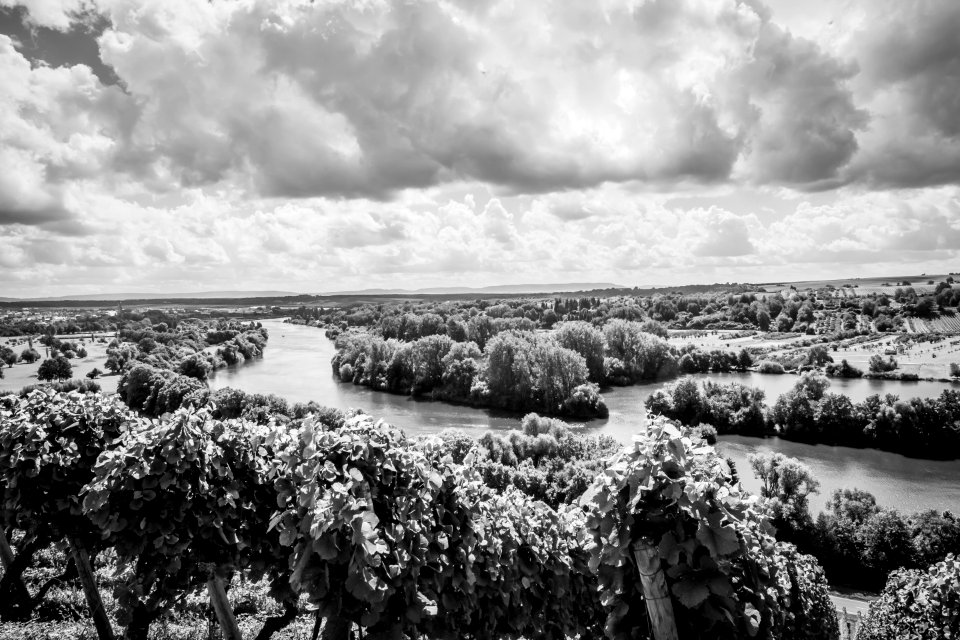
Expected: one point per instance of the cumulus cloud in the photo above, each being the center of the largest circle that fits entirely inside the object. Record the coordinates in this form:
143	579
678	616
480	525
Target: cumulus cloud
56	128
723	234
350	99
909	53
357	144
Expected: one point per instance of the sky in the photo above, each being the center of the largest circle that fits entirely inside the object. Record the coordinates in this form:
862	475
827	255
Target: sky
177	145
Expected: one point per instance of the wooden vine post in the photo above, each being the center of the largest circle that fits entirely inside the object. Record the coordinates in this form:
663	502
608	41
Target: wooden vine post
85	572
221	606
7	560
663	623
6	552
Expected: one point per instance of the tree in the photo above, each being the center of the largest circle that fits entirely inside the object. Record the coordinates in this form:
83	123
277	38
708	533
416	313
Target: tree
8	356
787	484
763	320
586	340
58	368
879	365
195	366
855	505
818	356
954	370
460	367
29	355
94	373
885	541
645	356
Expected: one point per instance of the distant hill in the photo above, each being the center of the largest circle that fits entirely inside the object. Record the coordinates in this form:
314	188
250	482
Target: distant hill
564	287
198	295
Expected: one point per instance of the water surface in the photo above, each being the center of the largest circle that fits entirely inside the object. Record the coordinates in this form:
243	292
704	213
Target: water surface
296	365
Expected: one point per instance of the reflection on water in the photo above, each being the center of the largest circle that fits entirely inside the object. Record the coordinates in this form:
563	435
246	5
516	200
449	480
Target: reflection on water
296	365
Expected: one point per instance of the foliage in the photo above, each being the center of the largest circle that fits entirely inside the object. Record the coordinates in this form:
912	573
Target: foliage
57	368
843	370
586	340
919	605
547	459
879	365
156	391
768	366
178	501
644	356
49	444
729	408
64	386
7	356
786	484
727	576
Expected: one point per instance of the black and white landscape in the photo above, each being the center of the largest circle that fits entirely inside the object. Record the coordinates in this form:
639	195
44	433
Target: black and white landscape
436	319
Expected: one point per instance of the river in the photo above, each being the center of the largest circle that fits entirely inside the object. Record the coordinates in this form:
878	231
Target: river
296	366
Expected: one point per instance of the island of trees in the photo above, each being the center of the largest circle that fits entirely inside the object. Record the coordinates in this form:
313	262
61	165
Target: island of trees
168	505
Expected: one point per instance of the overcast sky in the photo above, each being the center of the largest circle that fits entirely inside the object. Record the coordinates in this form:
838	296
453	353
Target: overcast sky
178	145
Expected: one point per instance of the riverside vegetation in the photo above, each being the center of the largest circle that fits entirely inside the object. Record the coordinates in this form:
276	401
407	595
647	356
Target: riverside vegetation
387	533
530	534
305	520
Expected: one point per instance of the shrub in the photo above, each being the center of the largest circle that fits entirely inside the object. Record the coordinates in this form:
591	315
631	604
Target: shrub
843	370
879	365
917	604
585	401
727	576
769	366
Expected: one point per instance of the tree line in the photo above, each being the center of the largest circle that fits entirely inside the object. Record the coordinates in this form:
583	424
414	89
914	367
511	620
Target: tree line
922	427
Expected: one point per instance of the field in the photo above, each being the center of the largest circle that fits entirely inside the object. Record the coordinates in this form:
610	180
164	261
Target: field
23	374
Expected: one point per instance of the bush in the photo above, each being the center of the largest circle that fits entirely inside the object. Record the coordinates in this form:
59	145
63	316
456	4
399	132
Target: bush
728	577
917	604
879	365
585	402
843	370
80	386
769	366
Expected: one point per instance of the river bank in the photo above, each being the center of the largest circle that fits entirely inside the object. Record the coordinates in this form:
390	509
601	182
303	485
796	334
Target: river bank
297	367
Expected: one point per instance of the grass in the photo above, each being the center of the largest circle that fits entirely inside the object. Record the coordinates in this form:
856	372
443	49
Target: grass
21	374
63	614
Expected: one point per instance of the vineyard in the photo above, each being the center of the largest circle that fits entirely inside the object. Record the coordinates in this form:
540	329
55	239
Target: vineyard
948	324
361	528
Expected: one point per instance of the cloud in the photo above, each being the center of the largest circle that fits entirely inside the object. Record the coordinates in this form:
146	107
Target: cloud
723	234
350	144
805	112
56	128
349	99
52	14
910	81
